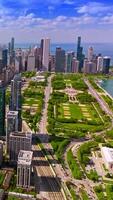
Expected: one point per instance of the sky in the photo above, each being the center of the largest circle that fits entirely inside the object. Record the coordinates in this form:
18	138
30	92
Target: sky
61	20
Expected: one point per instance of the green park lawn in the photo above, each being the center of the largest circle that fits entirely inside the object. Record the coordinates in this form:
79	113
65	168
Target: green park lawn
78	112
74	110
30	101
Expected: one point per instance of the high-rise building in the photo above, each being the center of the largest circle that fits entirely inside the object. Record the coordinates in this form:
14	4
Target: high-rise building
52	63
90	54
89	67
11	51
19	60
24	167
99	64
3	58
19	141
75	65
2	109
38	57
80	55
15	102
69	58
106	64
31	63
1	152
60	60
45	47
12	125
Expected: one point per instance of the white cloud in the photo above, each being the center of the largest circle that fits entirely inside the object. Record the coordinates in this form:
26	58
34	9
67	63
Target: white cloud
69	2
94	8
107	20
62	28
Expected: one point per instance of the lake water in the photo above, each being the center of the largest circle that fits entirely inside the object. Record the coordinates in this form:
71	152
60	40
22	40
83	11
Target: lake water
108	86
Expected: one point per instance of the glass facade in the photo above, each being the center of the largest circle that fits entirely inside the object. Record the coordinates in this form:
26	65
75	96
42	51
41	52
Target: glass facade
2	111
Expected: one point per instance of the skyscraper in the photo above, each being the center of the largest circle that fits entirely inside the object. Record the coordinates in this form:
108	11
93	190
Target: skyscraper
75	65
15	102
99	64
60	60
3	58
80	55
2	109
45	48
1	152
106	64
19	141
31	63
24	167
11	51
89	67
69	58
12	125
90	54
19	60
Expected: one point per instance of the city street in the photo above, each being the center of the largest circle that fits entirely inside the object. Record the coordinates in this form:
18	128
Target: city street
50	180
47	182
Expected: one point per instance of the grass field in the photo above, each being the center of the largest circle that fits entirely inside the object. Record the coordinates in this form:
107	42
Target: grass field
70	110
78	112
74	119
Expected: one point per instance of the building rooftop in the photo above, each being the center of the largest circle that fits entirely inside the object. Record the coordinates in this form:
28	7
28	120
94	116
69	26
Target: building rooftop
12	113
21	134
108	154
25	157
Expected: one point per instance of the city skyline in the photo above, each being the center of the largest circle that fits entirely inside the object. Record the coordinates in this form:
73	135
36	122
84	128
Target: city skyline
60	20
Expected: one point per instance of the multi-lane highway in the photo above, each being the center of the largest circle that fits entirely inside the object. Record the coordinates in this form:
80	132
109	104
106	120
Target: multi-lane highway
102	103
49	184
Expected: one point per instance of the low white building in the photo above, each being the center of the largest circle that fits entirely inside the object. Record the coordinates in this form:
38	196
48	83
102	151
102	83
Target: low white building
107	154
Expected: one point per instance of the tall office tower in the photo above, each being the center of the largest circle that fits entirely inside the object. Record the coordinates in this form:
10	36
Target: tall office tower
75	65
69	58
11	51
3	58
106	64
89	67
19	141
60	60
24	167
1	152
31	63
80	55
99	64
52	63
18	60
2	109
12	125
38	62
25	59
15	102
45	47
90	54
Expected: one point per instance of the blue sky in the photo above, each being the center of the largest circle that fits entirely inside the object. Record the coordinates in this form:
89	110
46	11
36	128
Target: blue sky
61	20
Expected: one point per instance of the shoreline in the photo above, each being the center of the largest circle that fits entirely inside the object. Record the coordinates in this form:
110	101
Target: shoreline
104	91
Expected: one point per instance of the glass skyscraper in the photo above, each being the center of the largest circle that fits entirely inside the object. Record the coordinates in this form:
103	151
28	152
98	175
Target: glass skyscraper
15	102
2	110
60	60
80	55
